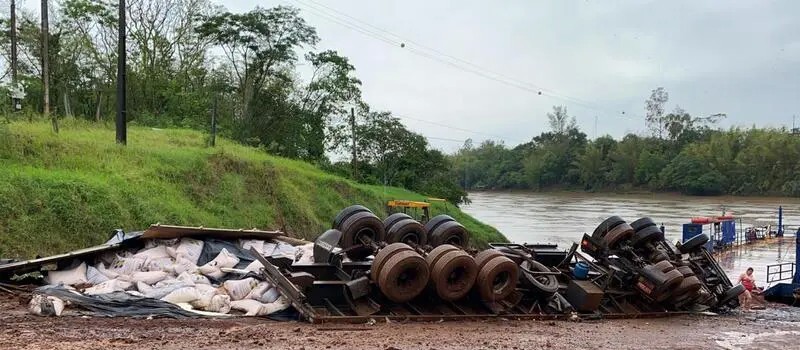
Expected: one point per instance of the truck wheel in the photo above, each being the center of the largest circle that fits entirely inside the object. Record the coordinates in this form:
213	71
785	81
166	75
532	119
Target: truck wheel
642	223
646	235
547	284
693	243
408	231
484	256
450	232
664	266
606	225
403	277
346	213
394	218
453	275
497	279
689	285
731	294
436	221
436	253
686	271
384	255
361	228
618	234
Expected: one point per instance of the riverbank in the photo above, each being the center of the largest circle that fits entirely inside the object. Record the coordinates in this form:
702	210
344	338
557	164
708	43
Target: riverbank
769	329
66	191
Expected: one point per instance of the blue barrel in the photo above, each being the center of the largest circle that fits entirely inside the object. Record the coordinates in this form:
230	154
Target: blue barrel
581	270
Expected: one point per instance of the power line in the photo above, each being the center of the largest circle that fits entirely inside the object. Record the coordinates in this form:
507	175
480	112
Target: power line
447	126
396	40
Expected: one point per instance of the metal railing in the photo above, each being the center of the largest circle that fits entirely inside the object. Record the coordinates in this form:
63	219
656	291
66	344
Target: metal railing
780	272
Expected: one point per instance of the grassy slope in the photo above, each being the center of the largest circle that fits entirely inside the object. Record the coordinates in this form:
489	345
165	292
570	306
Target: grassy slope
66	191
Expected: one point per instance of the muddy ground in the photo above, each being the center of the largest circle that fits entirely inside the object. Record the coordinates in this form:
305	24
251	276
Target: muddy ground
776	328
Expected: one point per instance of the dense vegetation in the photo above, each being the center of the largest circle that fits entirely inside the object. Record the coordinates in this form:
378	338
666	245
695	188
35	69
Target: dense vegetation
67	191
188	58
682	153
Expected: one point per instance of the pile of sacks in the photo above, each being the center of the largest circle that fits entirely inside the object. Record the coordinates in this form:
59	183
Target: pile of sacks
168	270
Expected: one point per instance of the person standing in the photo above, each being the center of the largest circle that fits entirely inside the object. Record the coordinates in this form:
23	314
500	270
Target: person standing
749	282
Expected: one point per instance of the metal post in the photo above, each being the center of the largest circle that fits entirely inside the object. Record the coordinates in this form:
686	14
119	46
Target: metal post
214	123
46	66
13	35
780	221
122	132
353	130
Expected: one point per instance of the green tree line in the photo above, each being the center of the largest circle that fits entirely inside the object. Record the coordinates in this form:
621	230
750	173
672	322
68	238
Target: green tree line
188	59
682	153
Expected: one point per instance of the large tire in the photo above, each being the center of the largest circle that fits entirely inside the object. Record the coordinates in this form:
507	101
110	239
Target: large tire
642	223
360	228
693	243
658	256
403	277
383	256
484	256
646	235
618	234
346	213
450	232
689	285
664	266
436	253
686	271
497	279
672	279
547	284
408	231
436	221
394	218
453	275
606	225
731	294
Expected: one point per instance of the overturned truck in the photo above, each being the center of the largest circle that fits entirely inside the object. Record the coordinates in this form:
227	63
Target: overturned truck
365	269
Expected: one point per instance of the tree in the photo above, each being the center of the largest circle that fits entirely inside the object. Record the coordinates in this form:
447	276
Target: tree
560	122
655	111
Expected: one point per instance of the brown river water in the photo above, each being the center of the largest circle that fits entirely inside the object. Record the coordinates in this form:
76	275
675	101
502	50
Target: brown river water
562	218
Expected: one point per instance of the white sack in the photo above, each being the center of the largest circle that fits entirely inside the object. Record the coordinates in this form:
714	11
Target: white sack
239	289
187	248
258	290
110	286
42	305
184	265
158	292
255	308
157	252
204	295
73	276
224	259
182	295
127	266
254	266
270	296
193	278
166	264
149	277
220	303
94	276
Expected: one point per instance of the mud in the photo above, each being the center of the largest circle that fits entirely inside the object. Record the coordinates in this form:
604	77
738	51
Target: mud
776	328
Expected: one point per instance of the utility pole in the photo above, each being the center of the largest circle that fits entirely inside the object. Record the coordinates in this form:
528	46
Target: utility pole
15	106
46	66
122	132
353	131
214	123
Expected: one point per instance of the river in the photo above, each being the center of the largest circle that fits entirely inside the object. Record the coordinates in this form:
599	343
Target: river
562	218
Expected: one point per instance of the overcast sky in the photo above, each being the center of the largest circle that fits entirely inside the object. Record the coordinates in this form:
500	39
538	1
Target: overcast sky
599	58
741	58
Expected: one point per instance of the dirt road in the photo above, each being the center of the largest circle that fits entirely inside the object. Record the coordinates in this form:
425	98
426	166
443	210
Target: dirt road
778	328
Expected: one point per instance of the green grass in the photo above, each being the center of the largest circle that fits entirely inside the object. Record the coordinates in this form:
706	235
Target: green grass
59	192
